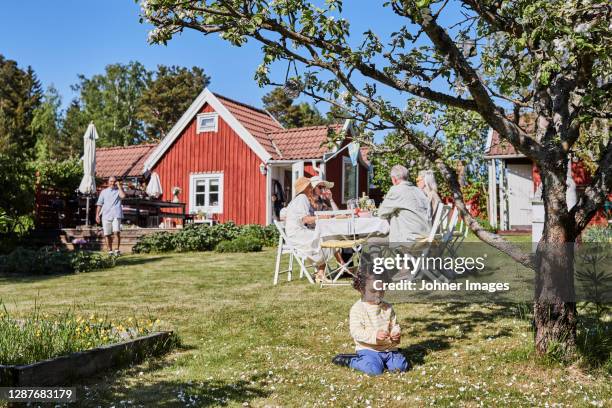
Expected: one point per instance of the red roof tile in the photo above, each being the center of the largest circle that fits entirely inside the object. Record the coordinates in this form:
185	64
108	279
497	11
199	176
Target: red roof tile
122	161
501	147
302	143
282	144
257	121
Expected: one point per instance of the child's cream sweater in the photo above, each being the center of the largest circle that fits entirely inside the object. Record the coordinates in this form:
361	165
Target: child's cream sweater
366	319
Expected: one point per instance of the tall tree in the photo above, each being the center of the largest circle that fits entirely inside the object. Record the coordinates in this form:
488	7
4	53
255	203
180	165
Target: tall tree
112	100
291	115
46	122
73	128
169	92
551	58
20	96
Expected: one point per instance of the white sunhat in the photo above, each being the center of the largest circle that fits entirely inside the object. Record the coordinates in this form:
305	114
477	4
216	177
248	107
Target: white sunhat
316	180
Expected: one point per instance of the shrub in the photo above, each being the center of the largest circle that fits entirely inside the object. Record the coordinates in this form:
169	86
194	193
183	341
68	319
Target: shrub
157	242
598	234
486	225
47	261
244	243
61	175
268	235
203	237
85	261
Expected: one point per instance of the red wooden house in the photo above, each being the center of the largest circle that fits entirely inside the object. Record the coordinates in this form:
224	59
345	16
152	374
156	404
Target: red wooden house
514	182
228	158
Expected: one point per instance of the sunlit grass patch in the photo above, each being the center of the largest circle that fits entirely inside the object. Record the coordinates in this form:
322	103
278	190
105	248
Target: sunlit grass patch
247	341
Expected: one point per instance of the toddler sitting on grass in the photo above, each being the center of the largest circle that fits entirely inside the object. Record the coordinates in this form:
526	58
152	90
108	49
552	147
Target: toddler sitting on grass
375	330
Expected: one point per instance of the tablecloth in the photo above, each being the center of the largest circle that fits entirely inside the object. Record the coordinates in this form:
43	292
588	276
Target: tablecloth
346	227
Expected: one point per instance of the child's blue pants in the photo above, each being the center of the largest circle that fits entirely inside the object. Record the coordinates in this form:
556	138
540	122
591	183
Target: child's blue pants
374	362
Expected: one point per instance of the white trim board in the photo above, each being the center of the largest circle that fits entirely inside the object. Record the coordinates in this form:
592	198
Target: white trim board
205	97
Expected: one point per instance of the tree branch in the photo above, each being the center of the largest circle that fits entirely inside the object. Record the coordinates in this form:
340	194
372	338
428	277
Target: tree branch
493	114
595	194
495	20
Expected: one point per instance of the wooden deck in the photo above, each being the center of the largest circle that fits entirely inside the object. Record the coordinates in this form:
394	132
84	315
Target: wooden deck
93	235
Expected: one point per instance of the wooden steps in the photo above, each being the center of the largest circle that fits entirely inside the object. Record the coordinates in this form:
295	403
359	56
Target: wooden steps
95	238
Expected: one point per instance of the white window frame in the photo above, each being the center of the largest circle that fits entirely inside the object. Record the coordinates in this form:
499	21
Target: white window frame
193	178
213	115
347	160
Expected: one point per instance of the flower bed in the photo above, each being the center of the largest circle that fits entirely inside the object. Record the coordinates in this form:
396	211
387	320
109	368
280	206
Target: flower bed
46	350
41	336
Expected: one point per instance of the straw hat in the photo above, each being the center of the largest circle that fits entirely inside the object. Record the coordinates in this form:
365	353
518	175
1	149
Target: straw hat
316	180
301	184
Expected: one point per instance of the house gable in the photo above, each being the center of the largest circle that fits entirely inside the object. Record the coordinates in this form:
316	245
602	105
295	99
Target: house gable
205	97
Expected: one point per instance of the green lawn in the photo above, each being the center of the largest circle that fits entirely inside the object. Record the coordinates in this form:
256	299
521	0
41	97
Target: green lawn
250	343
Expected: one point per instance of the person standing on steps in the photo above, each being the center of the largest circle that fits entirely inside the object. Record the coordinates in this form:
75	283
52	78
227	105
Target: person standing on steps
109	213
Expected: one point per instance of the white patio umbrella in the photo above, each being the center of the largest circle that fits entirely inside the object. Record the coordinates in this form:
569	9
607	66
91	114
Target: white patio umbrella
154	188
88	183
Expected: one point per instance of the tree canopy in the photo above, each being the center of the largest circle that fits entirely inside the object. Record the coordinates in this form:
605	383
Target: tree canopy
20	97
169	92
499	59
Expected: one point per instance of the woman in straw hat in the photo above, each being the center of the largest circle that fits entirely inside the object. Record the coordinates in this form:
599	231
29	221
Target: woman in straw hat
300	222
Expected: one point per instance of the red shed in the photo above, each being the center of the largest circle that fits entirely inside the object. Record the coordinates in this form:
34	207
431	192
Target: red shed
228	158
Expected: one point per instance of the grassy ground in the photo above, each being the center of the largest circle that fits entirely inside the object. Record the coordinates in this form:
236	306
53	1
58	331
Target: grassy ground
248	343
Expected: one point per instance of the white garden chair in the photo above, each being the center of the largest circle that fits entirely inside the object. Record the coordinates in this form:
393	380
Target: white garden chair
284	247
424	248
447	230
459	234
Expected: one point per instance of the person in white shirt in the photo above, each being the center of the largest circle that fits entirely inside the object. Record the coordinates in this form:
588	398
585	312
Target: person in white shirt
109	213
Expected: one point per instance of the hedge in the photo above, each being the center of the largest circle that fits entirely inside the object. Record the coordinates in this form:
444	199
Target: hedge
205	238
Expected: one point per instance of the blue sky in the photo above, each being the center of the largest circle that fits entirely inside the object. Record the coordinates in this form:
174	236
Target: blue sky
71	37
61	39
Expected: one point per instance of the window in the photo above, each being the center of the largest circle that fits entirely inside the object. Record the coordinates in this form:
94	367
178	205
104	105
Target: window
349	179
207	122
206	193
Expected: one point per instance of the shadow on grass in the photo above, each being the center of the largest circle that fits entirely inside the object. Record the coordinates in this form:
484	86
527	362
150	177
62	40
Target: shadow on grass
168	393
446	317
138	260
129	261
29	278
594	343
416	353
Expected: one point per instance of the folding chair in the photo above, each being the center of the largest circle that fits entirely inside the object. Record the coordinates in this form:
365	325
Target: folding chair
284	247
459	234
447	230
339	244
427	245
